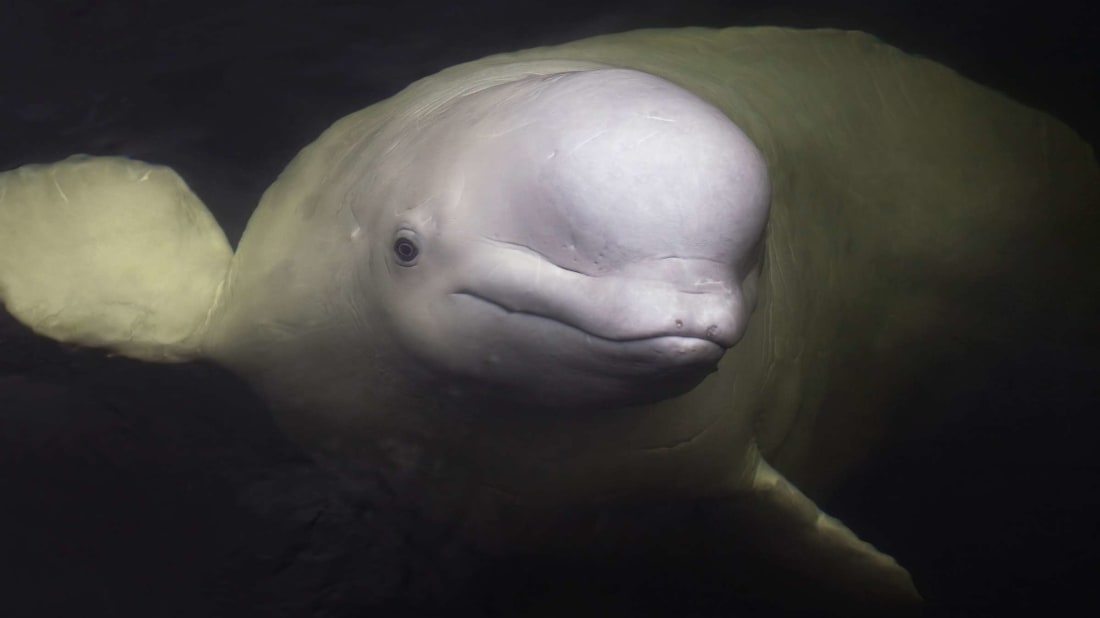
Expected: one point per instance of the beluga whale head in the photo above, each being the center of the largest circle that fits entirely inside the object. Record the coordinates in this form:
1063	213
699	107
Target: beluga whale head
577	240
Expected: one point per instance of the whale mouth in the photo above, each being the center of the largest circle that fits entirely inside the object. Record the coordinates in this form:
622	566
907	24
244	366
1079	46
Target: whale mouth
646	352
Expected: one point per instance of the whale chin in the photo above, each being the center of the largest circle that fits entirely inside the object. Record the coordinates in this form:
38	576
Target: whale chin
683	363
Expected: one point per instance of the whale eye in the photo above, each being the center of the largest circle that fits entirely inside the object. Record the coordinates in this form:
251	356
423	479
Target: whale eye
405	251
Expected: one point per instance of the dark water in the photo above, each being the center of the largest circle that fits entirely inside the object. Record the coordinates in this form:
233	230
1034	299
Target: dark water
135	490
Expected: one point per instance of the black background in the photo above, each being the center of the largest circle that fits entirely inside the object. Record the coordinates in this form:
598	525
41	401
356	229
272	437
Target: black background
136	490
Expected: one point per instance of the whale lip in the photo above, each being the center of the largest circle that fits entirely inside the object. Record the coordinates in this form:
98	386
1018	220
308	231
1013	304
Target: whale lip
671	356
681	349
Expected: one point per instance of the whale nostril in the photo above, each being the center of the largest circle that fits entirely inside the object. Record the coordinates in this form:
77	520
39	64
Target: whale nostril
679	323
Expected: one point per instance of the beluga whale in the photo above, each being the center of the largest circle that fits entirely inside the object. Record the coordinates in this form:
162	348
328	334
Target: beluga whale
658	265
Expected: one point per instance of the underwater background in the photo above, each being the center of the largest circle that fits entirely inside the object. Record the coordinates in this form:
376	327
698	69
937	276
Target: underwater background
129	489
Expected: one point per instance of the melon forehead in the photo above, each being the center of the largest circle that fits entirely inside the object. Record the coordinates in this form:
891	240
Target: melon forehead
608	155
585	100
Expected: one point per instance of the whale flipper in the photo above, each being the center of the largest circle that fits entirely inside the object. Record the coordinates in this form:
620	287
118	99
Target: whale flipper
834	566
110	252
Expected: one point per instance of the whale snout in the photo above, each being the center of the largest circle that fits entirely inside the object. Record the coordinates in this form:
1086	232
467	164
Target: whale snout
712	317
662	323
622	307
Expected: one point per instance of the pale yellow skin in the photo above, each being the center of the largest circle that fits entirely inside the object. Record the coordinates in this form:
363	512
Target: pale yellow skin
902	195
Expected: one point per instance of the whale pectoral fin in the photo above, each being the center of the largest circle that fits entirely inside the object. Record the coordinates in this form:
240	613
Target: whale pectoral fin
831	565
110	252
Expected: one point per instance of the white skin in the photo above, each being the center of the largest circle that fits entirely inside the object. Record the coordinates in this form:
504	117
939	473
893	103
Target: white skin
577	240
